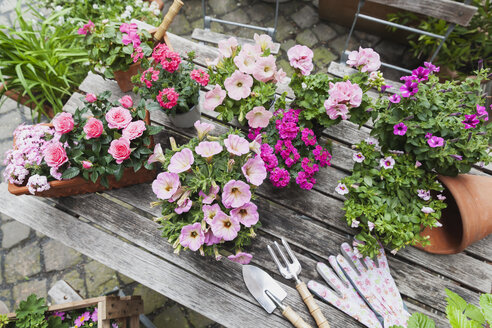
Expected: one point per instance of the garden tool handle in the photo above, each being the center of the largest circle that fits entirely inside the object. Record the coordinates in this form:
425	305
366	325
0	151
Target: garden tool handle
168	19
313	307
294	318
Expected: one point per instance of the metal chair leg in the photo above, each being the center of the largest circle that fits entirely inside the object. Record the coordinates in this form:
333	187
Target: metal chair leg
343	55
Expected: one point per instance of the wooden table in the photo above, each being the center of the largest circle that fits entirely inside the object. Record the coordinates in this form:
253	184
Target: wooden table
116	229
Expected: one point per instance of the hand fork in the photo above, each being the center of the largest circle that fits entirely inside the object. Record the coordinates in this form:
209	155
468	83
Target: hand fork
291	270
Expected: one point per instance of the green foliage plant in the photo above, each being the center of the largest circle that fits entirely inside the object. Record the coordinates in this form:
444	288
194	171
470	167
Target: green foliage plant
41	59
383	202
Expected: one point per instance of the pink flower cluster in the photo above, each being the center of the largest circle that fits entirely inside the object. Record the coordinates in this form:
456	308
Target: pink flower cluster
168	59
87	28
200	76
130	35
366	60
168	98
343	96
301	58
149	75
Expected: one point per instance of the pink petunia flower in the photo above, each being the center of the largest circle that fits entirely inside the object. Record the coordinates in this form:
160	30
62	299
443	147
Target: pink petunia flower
279	76
431	67
264	41
211	239
247	214
427	210
225	227
366	60
245	63
214	98
238	85
301	57
355	223
358	157
210	211
203	129
236	145
409	89
82	318
254	170
236	193
341	189
370	225
481	111
228	47
192	236
435	142
470	121
157	156
265	68
400	129
118	118
208	149
424	194
395	99
241	258
165	185
181	161
387	163
418	164
420	74
211	196
441	197
259	117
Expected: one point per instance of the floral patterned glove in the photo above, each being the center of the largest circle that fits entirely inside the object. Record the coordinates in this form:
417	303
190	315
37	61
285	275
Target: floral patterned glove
376	284
342	295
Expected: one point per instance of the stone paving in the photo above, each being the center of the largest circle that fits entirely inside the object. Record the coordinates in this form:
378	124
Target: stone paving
31	262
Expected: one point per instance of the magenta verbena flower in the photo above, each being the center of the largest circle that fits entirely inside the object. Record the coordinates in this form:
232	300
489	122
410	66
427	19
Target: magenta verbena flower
400	129
280	177
308	137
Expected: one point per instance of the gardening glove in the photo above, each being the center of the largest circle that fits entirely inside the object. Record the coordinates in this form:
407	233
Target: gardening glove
375	284
342	295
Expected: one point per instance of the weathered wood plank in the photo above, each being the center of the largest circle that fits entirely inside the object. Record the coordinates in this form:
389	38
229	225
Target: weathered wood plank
214	37
221	306
450	11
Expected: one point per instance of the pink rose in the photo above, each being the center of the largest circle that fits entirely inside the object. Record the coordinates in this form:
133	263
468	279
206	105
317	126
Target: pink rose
134	130
86	164
90	97
63	123
120	149
126	101
55	155
118	118
93	128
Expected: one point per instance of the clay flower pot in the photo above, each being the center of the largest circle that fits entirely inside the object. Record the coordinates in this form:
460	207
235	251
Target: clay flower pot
124	78
468	217
24	100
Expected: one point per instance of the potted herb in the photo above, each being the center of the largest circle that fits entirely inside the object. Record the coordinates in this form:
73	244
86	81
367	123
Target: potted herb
243	77
173	85
390	199
206	193
117	49
290	152
41	62
101	146
326	100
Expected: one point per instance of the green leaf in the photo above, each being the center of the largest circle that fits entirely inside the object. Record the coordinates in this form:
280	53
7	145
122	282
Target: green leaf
486	305
419	320
474	313
118	173
70	173
154	129
455	300
94	176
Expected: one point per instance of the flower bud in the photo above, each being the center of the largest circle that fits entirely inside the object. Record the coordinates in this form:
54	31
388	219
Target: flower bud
174	147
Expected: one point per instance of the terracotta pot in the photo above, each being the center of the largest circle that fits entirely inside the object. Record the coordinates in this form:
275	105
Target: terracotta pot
124	78
79	185
24	100
468	217
186	120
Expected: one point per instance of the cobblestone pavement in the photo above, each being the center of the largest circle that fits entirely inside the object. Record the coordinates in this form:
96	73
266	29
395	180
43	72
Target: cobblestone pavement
31	262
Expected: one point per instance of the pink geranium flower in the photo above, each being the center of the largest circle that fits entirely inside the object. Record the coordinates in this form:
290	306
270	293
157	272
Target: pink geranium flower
55	155
366	60
90	97
238	85
181	161
192	236
212	195
165	185
127	28
227	47
134	130
241	258
167	98
387	163
400	129
210	211
265	68
236	193
247	214
203	129
118	118
63	123
334	110
236	145
435	142
254	170
259	117
93	128
225	227
82	318
120	149
280	76
346	92
126	101
301	57
214	98
208	149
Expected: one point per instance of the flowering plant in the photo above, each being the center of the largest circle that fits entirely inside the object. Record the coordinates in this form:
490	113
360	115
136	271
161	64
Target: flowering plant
206	192
114	47
290	152
390	198
173	84
245	77
327	100
442	124
114	137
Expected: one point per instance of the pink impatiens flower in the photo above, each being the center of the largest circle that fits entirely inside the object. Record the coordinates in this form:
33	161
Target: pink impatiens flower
247	214
208	149
435	142
203	129
366	59
93	128
225	227
259	117
181	161
238	85
118	118
236	145
241	258
387	162
227	47
63	123
400	129
265	68
192	236
214	98
254	170
236	193
87	28
301	57
165	185
120	149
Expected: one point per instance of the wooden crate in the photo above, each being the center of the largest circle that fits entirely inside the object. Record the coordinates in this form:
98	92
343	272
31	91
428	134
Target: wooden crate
125	310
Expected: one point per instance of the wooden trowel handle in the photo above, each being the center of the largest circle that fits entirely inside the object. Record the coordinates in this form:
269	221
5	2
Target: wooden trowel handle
313	307
168	19
294	318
